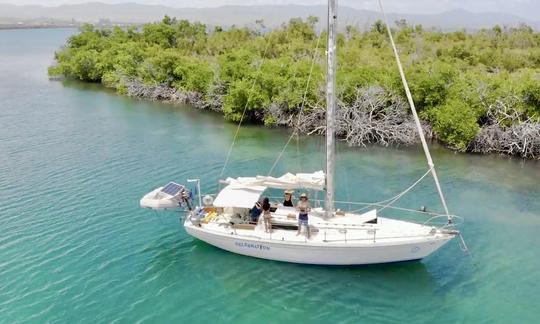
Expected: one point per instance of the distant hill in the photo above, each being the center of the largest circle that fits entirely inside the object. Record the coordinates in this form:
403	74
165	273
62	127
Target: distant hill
272	15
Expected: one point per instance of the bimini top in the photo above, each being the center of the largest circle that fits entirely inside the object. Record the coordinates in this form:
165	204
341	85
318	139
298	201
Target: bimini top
245	191
232	196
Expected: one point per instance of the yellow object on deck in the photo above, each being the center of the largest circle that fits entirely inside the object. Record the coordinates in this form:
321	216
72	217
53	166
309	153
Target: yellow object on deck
209	217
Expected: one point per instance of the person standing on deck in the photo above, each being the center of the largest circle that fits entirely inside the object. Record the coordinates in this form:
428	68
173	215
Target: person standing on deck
255	212
287	202
266	215
303	209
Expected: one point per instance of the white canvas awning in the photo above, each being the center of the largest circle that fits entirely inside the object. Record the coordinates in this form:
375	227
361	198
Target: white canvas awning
237	196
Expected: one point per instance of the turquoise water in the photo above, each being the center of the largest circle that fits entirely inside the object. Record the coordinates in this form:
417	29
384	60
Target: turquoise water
75	246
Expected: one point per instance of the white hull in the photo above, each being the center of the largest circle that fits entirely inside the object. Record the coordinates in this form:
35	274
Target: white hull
344	253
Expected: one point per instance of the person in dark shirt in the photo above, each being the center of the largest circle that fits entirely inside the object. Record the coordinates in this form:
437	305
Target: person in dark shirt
267	217
255	212
287	202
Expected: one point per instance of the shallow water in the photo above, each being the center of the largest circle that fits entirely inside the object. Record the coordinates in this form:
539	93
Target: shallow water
75	246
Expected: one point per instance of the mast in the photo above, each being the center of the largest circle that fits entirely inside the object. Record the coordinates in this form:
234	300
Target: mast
331	106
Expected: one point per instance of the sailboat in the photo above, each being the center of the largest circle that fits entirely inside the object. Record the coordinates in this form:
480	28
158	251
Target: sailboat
336	237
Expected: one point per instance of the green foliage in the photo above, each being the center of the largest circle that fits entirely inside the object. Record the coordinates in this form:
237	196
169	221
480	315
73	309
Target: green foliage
161	34
243	94
429	84
454	77
455	123
530	92
160	67
193	74
236	65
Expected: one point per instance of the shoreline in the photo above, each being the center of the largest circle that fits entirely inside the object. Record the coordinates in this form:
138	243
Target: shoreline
466	101
484	143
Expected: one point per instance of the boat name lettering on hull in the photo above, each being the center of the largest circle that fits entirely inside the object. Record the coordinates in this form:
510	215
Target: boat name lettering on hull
252	245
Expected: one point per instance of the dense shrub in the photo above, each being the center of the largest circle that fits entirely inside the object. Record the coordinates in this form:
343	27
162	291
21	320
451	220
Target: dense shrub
455	123
456	78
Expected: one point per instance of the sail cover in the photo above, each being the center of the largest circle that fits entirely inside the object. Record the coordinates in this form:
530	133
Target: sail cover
315	180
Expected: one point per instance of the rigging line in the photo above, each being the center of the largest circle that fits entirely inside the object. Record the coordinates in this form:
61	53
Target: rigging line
315	56
289	87
433	214
397	197
298	160
415	115
393	199
393	207
388	202
247	102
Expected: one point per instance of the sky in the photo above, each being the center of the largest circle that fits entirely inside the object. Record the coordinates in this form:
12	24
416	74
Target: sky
529	9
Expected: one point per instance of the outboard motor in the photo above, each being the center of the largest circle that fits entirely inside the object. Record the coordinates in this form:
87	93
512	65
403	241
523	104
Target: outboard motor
187	199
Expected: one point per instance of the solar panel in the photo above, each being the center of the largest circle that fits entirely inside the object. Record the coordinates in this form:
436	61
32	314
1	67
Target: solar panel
172	188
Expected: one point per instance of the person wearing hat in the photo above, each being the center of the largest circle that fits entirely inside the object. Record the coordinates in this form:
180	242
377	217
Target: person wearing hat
255	212
287	202
303	209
